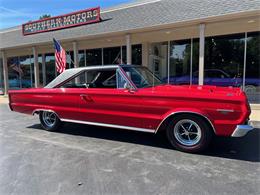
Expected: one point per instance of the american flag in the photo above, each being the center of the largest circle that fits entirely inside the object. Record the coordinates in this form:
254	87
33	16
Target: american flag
60	57
16	66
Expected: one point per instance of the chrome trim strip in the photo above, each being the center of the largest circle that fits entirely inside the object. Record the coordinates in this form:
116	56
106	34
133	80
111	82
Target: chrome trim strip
109	125
242	130
173	113
225	110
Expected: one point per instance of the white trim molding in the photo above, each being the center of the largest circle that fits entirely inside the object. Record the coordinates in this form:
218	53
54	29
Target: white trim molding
36	67
128	49
5	72
109	125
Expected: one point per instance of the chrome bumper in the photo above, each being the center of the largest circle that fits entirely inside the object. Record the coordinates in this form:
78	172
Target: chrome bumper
242	130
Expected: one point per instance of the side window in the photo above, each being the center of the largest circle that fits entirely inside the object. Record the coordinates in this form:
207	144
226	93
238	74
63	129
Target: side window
109	78
101	78
122	83
93	79
76	82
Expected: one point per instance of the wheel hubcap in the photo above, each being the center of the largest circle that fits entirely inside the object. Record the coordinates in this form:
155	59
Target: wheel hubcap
187	132
49	118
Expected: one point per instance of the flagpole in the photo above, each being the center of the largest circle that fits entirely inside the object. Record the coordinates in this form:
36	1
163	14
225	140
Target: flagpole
70	58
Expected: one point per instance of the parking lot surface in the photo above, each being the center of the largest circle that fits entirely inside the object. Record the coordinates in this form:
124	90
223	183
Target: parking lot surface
81	159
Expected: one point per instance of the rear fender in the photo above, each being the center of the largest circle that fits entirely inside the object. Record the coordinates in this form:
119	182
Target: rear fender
37	111
186	111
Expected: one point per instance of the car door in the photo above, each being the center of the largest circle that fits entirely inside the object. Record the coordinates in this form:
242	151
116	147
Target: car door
106	103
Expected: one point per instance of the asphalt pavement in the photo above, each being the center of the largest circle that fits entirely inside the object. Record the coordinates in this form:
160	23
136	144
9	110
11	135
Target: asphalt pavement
81	159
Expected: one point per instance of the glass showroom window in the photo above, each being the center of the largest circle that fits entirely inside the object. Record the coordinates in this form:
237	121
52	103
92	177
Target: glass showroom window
112	55
40	69
14	73
183	65
82	58
69	60
1	77
137	54
252	70
224	60
195	62
20	72
93	57
27	66
124	55
158	60
51	72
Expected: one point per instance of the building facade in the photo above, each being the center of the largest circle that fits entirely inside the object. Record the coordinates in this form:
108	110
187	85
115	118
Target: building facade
182	41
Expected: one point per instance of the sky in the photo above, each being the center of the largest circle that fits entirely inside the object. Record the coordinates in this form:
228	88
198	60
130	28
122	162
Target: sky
17	12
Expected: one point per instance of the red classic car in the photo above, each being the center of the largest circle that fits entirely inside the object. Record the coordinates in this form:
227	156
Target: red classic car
131	97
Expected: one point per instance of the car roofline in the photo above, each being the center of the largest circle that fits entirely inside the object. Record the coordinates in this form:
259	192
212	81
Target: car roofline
103	67
75	71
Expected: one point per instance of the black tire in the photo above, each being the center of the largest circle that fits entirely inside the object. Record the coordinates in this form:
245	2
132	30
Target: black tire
188	140
53	124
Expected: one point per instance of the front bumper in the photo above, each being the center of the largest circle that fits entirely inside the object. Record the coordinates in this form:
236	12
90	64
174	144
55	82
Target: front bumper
242	130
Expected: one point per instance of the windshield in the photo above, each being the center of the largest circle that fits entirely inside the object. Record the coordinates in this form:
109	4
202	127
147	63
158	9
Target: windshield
142	77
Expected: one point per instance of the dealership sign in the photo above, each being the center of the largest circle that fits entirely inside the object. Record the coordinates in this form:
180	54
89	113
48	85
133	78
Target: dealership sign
59	22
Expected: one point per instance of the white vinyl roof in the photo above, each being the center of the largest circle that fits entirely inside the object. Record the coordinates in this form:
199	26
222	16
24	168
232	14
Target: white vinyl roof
74	71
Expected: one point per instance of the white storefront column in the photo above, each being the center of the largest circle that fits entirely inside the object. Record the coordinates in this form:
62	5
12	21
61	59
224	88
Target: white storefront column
43	70
201	54
128	49
36	67
5	71
145	54
75	53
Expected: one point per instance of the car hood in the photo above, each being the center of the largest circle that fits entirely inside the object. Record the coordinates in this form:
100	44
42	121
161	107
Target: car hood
206	91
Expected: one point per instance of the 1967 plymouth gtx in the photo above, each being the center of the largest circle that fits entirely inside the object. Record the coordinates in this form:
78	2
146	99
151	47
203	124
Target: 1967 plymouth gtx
131	97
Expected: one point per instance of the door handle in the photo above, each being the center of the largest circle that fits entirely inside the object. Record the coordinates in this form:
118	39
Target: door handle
86	98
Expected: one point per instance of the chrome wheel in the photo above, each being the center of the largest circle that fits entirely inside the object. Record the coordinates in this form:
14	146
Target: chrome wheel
49	118
187	132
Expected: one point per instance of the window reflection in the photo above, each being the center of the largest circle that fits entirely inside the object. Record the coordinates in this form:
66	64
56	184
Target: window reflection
82	60
158	60
224	59
27	74
112	55
50	67
1	77
137	54
20	72
40	69
180	53
93	57
195	62
69	59
252	76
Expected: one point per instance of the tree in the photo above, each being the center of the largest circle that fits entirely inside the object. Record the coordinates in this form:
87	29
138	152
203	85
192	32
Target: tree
45	16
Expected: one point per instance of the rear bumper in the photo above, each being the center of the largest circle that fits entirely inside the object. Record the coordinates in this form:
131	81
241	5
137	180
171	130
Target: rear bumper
242	130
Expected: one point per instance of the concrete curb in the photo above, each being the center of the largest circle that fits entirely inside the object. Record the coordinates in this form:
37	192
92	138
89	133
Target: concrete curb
255	124
3	99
